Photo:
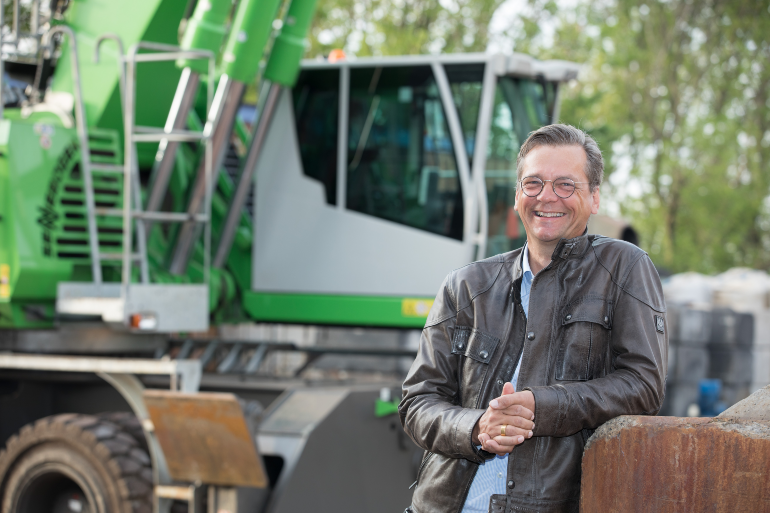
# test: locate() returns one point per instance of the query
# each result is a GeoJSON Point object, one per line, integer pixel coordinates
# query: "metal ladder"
{"type": "Point", "coordinates": [132, 204]}
{"type": "Point", "coordinates": [112, 299]}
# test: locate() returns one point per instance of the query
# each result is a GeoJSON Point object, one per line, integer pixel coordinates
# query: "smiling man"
{"type": "Point", "coordinates": [524, 354]}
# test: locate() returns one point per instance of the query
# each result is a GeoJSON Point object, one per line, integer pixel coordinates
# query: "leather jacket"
{"type": "Point", "coordinates": [595, 346]}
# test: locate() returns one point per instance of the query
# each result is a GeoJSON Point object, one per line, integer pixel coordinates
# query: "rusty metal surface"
{"type": "Point", "coordinates": [672, 464]}
{"type": "Point", "coordinates": [205, 438]}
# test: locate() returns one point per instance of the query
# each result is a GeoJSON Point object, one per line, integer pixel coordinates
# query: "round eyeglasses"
{"type": "Point", "coordinates": [563, 187]}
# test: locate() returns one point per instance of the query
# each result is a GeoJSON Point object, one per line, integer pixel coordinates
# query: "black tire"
{"type": "Point", "coordinates": [129, 423]}
{"type": "Point", "coordinates": [72, 457]}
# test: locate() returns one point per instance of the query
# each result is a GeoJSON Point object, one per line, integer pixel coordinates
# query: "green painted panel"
{"type": "Point", "coordinates": [37, 159]}
{"type": "Point", "coordinates": [337, 309]}
{"type": "Point", "coordinates": [139, 20]}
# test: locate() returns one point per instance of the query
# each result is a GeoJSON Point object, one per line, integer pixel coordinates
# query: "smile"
{"type": "Point", "coordinates": [549, 214]}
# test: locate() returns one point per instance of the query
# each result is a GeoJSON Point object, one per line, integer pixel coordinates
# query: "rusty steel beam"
{"type": "Point", "coordinates": [673, 464]}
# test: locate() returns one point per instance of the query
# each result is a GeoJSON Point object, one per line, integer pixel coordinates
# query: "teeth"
{"type": "Point", "coordinates": [549, 214]}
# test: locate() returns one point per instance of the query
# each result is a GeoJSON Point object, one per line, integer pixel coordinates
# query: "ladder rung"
{"type": "Point", "coordinates": [107, 168]}
{"type": "Point", "coordinates": [173, 217]}
{"type": "Point", "coordinates": [118, 256]}
{"type": "Point", "coordinates": [152, 134]}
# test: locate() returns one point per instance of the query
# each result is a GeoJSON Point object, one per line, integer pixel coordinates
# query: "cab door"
{"type": "Point", "coordinates": [360, 198]}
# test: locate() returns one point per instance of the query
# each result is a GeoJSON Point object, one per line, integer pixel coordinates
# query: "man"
{"type": "Point", "coordinates": [575, 323]}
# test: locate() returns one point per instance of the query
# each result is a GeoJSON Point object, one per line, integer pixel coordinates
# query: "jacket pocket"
{"type": "Point", "coordinates": [586, 324]}
{"type": "Point", "coordinates": [477, 348]}
{"type": "Point", "coordinates": [474, 344]}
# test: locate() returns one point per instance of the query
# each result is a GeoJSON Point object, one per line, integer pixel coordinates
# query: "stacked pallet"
{"type": "Point", "coordinates": [689, 334]}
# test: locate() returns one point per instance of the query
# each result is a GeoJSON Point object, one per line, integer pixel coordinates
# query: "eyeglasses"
{"type": "Point", "coordinates": [562, 187]}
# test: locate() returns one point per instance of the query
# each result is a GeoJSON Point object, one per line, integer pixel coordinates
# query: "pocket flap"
{"type": "Point", "coordinates": [474, 344]}
{"type": "Point", "coordinates": [588, 309]}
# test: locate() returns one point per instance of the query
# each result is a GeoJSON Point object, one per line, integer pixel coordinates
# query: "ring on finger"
{"type": "Point", "coordinates": [502, 430]}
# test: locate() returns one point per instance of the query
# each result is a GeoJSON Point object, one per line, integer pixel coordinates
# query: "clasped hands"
{"type": "Point", "coordinates": [508, 421]}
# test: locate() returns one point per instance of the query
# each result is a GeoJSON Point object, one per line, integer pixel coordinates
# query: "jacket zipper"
{"type": "Point", "coordinates": [468, 489]}
{"type": "Point", "coordinates": [419, 470]}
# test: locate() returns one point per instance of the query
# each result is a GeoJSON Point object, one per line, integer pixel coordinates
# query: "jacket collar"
{"type": "Point", "coordinates": [566, 248]}
{"type": "Point", "coordinates": [571, 248]}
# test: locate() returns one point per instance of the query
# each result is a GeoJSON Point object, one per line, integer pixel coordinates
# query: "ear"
{"type": "Point", "coordinates": [595, 200]}
{"type": "Point", "coordinates": [516, 199]}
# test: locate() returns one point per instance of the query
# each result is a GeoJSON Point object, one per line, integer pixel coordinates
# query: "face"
{"type": "Point", "coordinates": [547, 217]}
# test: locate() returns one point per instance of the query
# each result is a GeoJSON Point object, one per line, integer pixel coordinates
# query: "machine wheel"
{"type": "Point", "coordinates": [129, 423]}
{"type": "Point", "coordinates": [74, 463]}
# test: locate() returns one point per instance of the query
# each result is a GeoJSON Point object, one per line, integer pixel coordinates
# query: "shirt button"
{"type": "Point", "coordinates": [568, 317]}
{"type": "Point", "coordinates": [531, 335]}
{"type": "Point", "coordinates": [500, 475]}
{"type": "Point", "coordinates": [511, 484]}
{"type": "Point", "coordinates": [483, 354]}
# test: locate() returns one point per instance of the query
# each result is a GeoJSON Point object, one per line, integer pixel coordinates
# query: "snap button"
{"type": "Point", "coordinates": [569, 316]}
{"type": "Point", "coordinates": [531, 335]}
{"type": "Point", "coordinates": [460, 346]}
{"type": "Point", "coordinates": [499, 381]}
{"type": "Point", "coordinates": [511, 484]}
{"type": "Point", "coordinates": [606, 319]}
{"type": "Point", "coordinates": [483, 354]}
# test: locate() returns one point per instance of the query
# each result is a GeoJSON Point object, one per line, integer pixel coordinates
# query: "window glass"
{"type": "Point", "coordinates": [316, 111]}
{"type": "Point", "coordinates": [465, 82]}
{"type": "Point", "coordinates": [519, 108]}
{"type": "Point", "coordinates": [401, 163]}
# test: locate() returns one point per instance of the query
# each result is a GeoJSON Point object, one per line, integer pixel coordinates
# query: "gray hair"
{"type": "Point", "coordinates": [565, 135]}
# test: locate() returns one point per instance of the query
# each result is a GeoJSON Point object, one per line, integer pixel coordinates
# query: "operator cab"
{"type": "Point", "coordinates": [400, 170]}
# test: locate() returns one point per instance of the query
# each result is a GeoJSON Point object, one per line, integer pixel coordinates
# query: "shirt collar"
{"type": "Point", "coordinates": [525, 262]}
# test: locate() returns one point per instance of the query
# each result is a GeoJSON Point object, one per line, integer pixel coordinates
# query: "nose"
{"type": "Point", "coordinates": [547, 195]}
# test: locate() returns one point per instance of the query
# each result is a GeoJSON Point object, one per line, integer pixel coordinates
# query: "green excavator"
{"type": "Point", "coordinates": [206, 299]}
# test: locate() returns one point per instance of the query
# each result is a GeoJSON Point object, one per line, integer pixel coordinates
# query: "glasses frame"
{"type": "Point", "coordinates": [553, 186]}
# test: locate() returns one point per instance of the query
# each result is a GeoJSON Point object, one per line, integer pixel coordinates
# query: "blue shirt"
{"type": "Point", "coordinates": [492, 474]}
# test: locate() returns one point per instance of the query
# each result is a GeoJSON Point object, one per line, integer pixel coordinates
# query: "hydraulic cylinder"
{"type": "Point", "coordinates": [249, 35]}
{"type": "Point", "coordinates": [289, 46]}
{"type": "Point", "coordinates": [282, 70]}
{"type": "Point", "coordinates": [205, 30]}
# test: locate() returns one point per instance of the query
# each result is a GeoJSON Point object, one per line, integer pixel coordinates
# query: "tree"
{"type": "Point", "coordinates": [401, 27]}
{"type": "Point", "coordinates": [676, 92]}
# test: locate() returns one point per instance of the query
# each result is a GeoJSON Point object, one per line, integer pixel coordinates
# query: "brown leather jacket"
{"type": "Point", "coordinates": [595, 346]}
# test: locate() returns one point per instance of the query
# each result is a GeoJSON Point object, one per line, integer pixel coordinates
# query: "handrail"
{"type": "Point", "coordinates": [137, 199]}
{"type": "Point", "coordinates": [85, 151]}
{"type": "Point", "coordinates": [168, 52]}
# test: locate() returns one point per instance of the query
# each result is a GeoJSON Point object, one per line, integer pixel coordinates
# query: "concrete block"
{"type": "Point", "coordinates": [666, 464]}
{"type": "Point", "coordinates": [692, 327]}
{"type": "Point", "coordinates": [732, 328]}
{"type": "Point", "coordinates": [761, 365]}
{"type": "Point", "coordinates": [762, 328]}
{"type": "Point", "coordinates": [754, 407]}
{"type": "Point", "coordinates": [679, 396]}
{"type": "Point", "coordinates": [687, 363]}
{"type": "Point", "coordinates": [731, 364]}
{"type": "Point", "coordinates": [733, 393]}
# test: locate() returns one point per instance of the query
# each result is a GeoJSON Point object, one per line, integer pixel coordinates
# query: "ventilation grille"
{"type": "Point", "coordinates": [70, 239]}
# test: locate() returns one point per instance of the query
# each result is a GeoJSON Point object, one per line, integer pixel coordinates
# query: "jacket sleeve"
{"type": "Point", "coordinates": [429, 409]}
{"type": "Point", "coordinates": [639, 351]}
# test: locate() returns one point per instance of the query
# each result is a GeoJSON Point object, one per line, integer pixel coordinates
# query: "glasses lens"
{"type": "Point", "coordinates": [564, 187]}
{"type": "Point", "coordinates": [532, 186]}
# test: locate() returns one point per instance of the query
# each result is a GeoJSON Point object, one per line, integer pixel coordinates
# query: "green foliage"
{"type": "Point", "coordinates": [401, 27]}
{"type": "Point", "coordinates": [676, 93]}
